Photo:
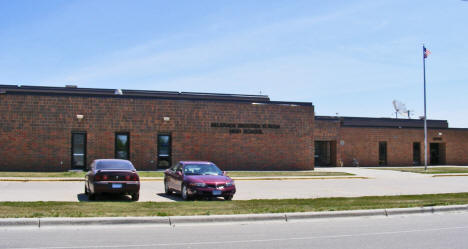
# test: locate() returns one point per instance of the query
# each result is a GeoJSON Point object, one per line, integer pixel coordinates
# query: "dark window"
{"type": "Point", "coordinates": [382, 153]}
{"type": "Point", "coordinates": [122, 146]}
{"type": "Point", "coordinates": [164, 151]}
{"type": "Point", "coordinates": [78, 150]}
{"type": "Point", "coordinates": [416, 153]}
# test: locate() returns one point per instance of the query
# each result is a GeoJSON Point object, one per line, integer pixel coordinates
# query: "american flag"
{"type": "Point", "coordinates": [426, 52]}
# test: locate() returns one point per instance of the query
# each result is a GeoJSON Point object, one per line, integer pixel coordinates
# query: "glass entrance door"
{"type": "Point", "coordinates": [78, 150]}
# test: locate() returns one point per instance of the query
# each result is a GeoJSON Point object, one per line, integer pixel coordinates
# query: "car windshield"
{"type": "Point", "coordinates": [202, 169]}
{"type": "Point", "coordinates": [117, 165]}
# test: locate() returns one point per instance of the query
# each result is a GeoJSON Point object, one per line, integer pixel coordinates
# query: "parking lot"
{"type": "Point", "coordinates": [374, 183]}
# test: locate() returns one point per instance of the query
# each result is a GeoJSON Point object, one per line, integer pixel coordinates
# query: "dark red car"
{"type": "Point", "coordinates": [193, 178]}
{"type": "Point", "coordinates": [113, 176]}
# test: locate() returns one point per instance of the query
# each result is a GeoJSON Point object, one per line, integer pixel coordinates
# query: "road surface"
{"type": "Point", "coordinates": [427, 231]}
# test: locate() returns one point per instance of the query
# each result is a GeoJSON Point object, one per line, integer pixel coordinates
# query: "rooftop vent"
{"type": "Point", "coordinates": [118, 92]}
{"type": "Point", "coordinates": [71, 86]}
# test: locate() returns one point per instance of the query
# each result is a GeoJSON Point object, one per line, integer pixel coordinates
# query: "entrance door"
{"type": "Point", "coordinates": [437, 153]}
{"type": "Point", "coordinates": [416, 153]}
{"type": "Point", "coordinates": [325, 153]}
{"type": "Point", "coordinates": [78, 150]}
{"type": "Point", "coordinates": [382, 153]}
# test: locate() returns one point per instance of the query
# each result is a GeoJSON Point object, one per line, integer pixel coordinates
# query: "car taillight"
{"type": "Point", "coordinates": [134, 177]}
{"type": "Point", "coordinates": [101, 177]}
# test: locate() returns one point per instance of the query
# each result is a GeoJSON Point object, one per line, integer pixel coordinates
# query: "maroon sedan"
{"type": "Point", "coordinates": [193, 178]}
{"type": "Point", "coordinates": [113, 176]}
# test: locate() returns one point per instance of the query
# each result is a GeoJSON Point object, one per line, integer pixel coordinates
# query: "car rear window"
{"type": "Point", "coordinates": [118, 165]}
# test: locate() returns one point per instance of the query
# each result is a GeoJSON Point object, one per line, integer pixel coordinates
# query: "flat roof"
{"type": "Point", "coordinates": [128, 93]}
{"type": "Point", "coordinates": [384, 122]}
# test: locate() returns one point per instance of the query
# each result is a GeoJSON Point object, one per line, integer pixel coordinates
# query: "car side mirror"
{"type": "Point", "coordinates": [224, 173]}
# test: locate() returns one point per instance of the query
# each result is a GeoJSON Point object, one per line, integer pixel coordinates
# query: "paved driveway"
{"type": "Point", "coordinates": [379, 182]}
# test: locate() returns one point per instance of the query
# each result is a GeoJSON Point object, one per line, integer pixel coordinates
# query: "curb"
{"type": "Point", "coordinates": [173, 220]}
{"type": "Point", "coordinates": [448, 175]}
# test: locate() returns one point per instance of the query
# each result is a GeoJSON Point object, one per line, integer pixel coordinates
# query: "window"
{"type": "Point", "coordinates": [78, 150]}
{"type": "Point", "coordinates": [164, 151]}
{"type": "Point", "coordinates": [122, 146]}
{"type": "Point", "coordinates": [382, 153]}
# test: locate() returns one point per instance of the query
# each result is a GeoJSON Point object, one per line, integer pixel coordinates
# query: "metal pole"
{"type": "Point", "coordinates": [425, 116]}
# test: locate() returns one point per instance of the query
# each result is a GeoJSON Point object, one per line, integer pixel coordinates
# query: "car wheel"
{"type": "Point", "coordinates": [184, 193]}
{"type": "Point", "coordinates": [228, 197]}
{"type": "Point", "coordinates": [136, 196]}
{"type": "Point", "coordinates": [166, 188]}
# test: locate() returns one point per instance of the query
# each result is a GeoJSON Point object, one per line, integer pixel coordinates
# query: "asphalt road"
{"type": "Point", "coordinates": [380, 182]}
{"type": "Point", "coordinates": [428, 231]}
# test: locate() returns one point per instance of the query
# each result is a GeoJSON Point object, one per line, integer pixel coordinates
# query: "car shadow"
{"type": "Point", "coordinates": [173, 197]}
{"type": "Point", "coordinates": [82, 197]}
{"type": "Point", "coordinates": [177, 197]}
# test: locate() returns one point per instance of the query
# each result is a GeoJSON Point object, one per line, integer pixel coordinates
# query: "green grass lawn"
{"type": "Point", "coordinates": [161, 174]}
{"type": "Point", "coordinates": [431, 170]}
{"type": "Point", "coordinates": [119, 208]}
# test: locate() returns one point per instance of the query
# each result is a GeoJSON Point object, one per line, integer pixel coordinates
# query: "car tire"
{"type": "Point", "coordinates": [167, 190]}
{"type": "Point", "coordinates": [135, 196]}
{"type": "Point", "coordinates": [228, 197]}
{"type": "Point", "coordinates": [184, 193]}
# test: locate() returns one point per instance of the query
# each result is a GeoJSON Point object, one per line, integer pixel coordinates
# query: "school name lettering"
{"type": "Point", "coordinates": [245, 128]}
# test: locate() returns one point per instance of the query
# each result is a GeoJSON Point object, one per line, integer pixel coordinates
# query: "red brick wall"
{"type": "Point", "coordinates": [35, 132]}
{"type": "Point", "coordinates": [326, 130]}
{"type": "Point", "coordinates": [363, 144]}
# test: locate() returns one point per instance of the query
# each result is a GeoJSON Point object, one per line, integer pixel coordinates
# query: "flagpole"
{"type": "Point", "coordinates": [425, 116]}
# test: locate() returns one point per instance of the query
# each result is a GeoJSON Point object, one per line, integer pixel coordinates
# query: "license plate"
{"type": "Point", "coordinates": [216, 192]}
{"type": "Point", "coordinates": [116, 185]}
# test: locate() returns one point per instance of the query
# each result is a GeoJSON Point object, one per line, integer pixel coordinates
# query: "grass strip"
{"type": "Point", "coordinates": [431, 170]}
{"type": "Point", "coordinates": [114, 208]}
{"type": "Point", "coordinates": [161, 174]}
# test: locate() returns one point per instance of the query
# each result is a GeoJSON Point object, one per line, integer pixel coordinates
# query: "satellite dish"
{"type": "Point", "coordinates": [399, 108]}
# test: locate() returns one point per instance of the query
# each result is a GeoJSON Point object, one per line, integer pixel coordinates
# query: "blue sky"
{"type": "Point", "coordinates": [347, 57]}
